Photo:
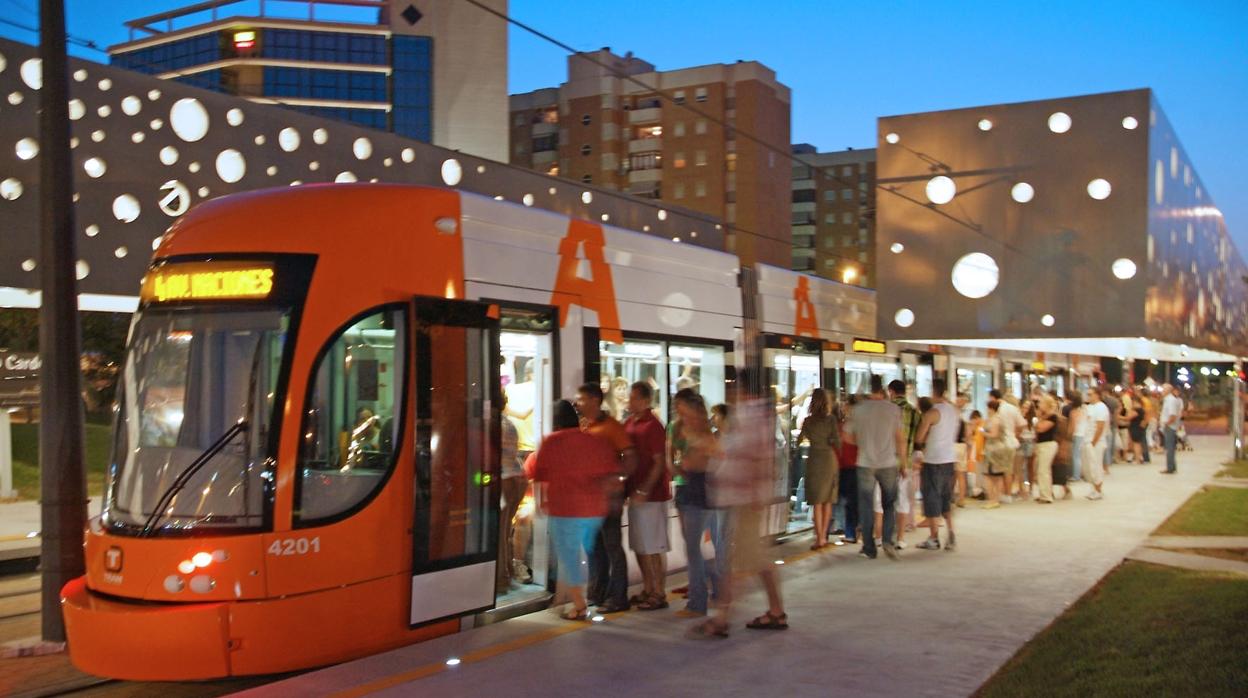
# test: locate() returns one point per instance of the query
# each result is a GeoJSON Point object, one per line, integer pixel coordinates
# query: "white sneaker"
{"type": "Point", "coordinates": [1096, 495]}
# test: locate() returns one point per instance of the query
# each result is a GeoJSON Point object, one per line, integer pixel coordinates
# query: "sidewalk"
{"type": "Point", "coordinates": [20, 524]}
{"type": "Point", "coordinates": [935, 624]}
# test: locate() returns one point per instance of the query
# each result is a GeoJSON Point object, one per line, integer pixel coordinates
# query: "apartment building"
{"type": "Point", "coordinates": [834, 214]}
{"type": "Point", "coordinates": [601, 127]}
{"type": "Point", "coordinates": [437, 74]}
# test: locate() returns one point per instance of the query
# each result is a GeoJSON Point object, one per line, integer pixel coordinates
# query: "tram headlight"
{"type": "Point", "coordinates": [202, 559]}
{"type": "Point", "coordinates": [202, 584]}
{"type": "Point", "coordinates": [186, 567]}
{"type": "Point", "coordinates": [174, 584]}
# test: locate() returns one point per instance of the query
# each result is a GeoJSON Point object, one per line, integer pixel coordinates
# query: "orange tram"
{"type": "Point", "coordinates": [305, 462]}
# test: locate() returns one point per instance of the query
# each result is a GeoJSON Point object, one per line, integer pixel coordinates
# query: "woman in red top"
{"type": "Point", "coordinates": [578, 469]}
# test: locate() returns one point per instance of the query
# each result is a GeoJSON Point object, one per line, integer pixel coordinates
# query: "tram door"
{"type": "Point", "coordinates": [528, 378]}
{"type": "Point", "coordinates": [793, 376]}
{"type": "Point", "coordinates": [455, 527]}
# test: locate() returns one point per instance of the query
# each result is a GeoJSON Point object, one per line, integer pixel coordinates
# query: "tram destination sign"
{"type": "Point", "coordinates": [208, 281]}
{"type": "Point", "coordinates": [19, 378]}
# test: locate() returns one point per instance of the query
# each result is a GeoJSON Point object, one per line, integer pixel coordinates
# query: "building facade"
{"type": "Point", "coordinates": [603, 128]}
{"type": "Point", "coordinates": [834, 214]}
{"type": "Point", "coordinates": [434, 71]}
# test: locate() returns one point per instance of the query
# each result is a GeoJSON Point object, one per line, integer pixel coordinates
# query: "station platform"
{"type": "Point", "coordinates": [933, 623]}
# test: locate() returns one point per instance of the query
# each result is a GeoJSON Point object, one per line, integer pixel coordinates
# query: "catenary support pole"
{"type": "Point", "coordinates": [62, 482]}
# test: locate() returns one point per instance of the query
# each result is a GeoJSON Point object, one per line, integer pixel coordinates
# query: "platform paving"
{"type": "Point", "coordinates": [935, 623]}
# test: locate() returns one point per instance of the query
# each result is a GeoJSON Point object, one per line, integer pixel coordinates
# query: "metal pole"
{"type": "Point", "coordinates": [1237, 412]}
{"type": "Point", "coordinates": [62, 482]}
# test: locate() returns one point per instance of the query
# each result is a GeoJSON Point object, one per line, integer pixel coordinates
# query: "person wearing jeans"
{"type": "Point", "coordinates": [875, 428]}
{"type": "Point", "coordinates": [1171, 413]}
{"type": "Point", "coordinates": [690, 459]}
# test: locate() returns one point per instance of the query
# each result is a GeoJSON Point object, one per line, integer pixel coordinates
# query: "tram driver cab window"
{"type": "Point", "coordinates": [351, 423]}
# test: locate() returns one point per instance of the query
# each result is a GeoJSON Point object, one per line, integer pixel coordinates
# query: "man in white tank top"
{"type": "Point", "coordinates": [936, 439]}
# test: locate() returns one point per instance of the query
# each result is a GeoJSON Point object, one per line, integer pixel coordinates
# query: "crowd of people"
{"type": "Point", "coordinates": [873, 465]}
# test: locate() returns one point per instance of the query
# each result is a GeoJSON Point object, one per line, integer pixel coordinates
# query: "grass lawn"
{"type": "Point", "coordinates": [26, 458]}
{"type": "Point", "coordinates": [1236, 468]}
{"type": "Point", "coordinates": [1214, 511]}
{"type": "Point", "coordinates": [1144, 630]}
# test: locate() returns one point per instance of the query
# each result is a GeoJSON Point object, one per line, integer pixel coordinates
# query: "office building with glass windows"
{"type": "Point", "coordinates": [375, 63]}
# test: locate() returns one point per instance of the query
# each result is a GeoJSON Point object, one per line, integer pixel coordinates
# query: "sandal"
{"type": "Point", "coordinates": [637, 599]}
{"type": "Point", "coordinates": [653, 603]}
{"type": "Point", "coordinates": [575, 614]}
{"type": "Point", "coordinates": [818, 546]}
{"type": "Point", "coordinates": [769, 622]}
{"type": "Point", "coordinates": [713, 628]}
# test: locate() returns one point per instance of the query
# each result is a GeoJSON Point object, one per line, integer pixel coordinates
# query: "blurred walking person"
{"type": "Point", "coordinates": [698, 447]}
{"type": "Point", "coordinates": [581, 474]}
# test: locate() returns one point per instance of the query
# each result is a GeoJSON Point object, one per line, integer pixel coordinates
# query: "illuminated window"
{"type": "Point", "coordinates": [731, 160]}
{"type": "Point", "coordinates": [679, 160]}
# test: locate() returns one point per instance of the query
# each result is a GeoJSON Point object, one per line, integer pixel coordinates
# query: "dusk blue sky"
{"type": "Point", "coordinates": [849, 62]}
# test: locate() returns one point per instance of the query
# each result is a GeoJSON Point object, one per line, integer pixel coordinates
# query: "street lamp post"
{"type": "Point", "coordinates": [62, 482]}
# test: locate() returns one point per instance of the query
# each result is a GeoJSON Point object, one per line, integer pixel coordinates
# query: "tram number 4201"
{"type": "Point", "coordinates": [295, 546]}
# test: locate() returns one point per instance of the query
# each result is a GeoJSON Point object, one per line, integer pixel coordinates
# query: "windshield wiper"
{"type": "Point", "coordinates": [187, 473]}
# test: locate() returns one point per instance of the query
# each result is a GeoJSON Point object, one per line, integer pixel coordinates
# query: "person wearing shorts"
{"type": "Point", "coordinates": [937, 441]}
{"type": "Point", "coordinates": [650, 489]}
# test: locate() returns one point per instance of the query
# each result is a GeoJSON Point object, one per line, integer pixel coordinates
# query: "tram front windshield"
{"type": "Point", "coordinates": [191, 375]}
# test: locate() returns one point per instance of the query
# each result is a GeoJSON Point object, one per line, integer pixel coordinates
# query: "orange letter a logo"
{"type": "Point", "coordinates": [806, 323]}
{"type": "Point", "coordinates": [596, 293]}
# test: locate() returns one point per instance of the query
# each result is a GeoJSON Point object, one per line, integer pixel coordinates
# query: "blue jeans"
{"type": "Point", "coordinates": [867, 478]}
{"type": "Point", "coordinates": [1076, 456]}
{"type": "Point", "coordinates": [694, 521]}
{"type": "Point", "coordinates": [574, 539]}
{"type": "Point", "coordinates": [1172, 441]}
{"type": "Point", "coordinates": [845, 513]}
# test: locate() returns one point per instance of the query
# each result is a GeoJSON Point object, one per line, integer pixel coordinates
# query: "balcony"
{"type": "Point", "coordinates": [544, 129]}
{"type": "Point", "coordinates": [545, 157]}
{"type": "Point", "coordinates": [645, 116]}
{"type": "Point", "coordinates": [639, 176]}
{"type": "Point", "coordinates": [645, 145]}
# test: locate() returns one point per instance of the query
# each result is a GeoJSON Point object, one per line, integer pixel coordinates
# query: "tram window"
{"type": "Point", "coordinates": [628, 363]}
{"type": "Point", "coordinates": [352, 424]}
{"type": "Point", "coordinates": [697, 367]}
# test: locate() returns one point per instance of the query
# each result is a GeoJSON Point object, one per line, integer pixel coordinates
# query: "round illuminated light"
{"type": "Point", "coordinates": [220, 556]}
{"type": "Point", "coordinates": [94, 167]}
{"type": "Point", "coordinates": [202, 584]}
{"type": "Point", "coordinates": [676, 239]}
{"type": "Point", "coordinates": [587, 197]}
{"type": "Point", "coordinates": [28, 265]}
{"type": "Point", "coordinates": [97, 136]}
{"type": "Point", "coordinates": [1099, 189]}
{"type": "Point", "coordinates": [231, 166]}
{"type": "Point", "coordinates": [77, 109]}
{"type": "Point", "coordinates": [897, 248]}
{"type": "Point", "coordinates": [892, 138]}
{"type": "Point", "coordinates": [1123, 268]}
{"type": "Point", "coordinates": [975, 275]}
{"type": "Point", "coordinates": [606, 217]}
{"type": "Point", "coordinates": [408, 155]}
{"type": "Point", "coordinates": [1215, 372]}
{"type": "Point", "coordinates": [270, 170]}
{"type": "Point", "coordinates": [452, 172]}
{"type": "Point", "coordinates": [27, 149]}
{"type": "Point", "coordinates": [453, 661]}
{"type": "Point", "coordinates": [131, 105]}
{"type": "Point", "coordinates": [193, 167]}
{"type": "Point", "coordinates": [500, 198]}
{"type": "Point", "coordinates": [1048, 320]}
{"type": "Point", "coordinates": [189, 119]}
{"type": "Point", "coordinates": [10, 189]}
{"type": "Point", "coordinates": [904, 317]}
{"type": "Point", "coordinates": [121, 252]}
{"type": "Point", "coordinates": [259, 140]}
{"type": "Point", "coordinates": [81, 269]}
{"type": "Point", "coordinates": [234, 117]}
{"type": "Point", "coordinates": [387, 162]}
{"type": "Point", "coordinates": [126, 208]}
{"type": "Point", "coordinates": [552, 190]}
{"type": "Point", "coordinates": [73, 142]}
{"type": "Point", "coordinates": [137, 137]}
{"type": "Point", "coordinates": [296, 182]}
{"type": "Point", "coordinates": [15, 98]}
{"type": "Point", "coordinates": [320, 136]}
{"type": "Point", "coordinates": [1022, 192]}
{"type": "Point", "coordinates": [346, 177]}
{"type": "Point", "coordinates": [288, 139]}
{"type": "Point", "coordinates": [480, 169]}
{"type": "Point", "coordinates": [662, 214]}
{"type": "Point", "coordinates": [168, 155]}
{"type": "Point", "coordinates": [80, 76]}
{"type": "Point", "coordinates": [174, 584]}
{"type": "Point", "coordinates": [363, 148]}
{"type": "Point", "coordinates": [155, 246]}
{"type": "Point", "coordinates": [153, 95]}
{"type": "Point", "coordinates": [203, 192]}
{"type": "Point", "coordinates": [32, 73]}
{"type": "Point", "coordinates": [1059, 122]}
{"type": "Point", "coordinates": [202, 559]}
{"type": "Point", "coordinates": [1130, 123]}
{"type": "Point", "coordinates": [941, 189]}
{"type": "Point", "coordinates": [155, 124]}
{"type": "Point", "coordinates": [1204, 370]}
{"type": "Point", "coordinates": [104, 111]}
{"type": "Point", "coordinates": [527, 199]}
{"type": "Point", "coordinates": [105, 85]}
{"type": "Point", "coordinates": [91, 230]}
{"type": "Point", "coordinates": [985, 124]}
